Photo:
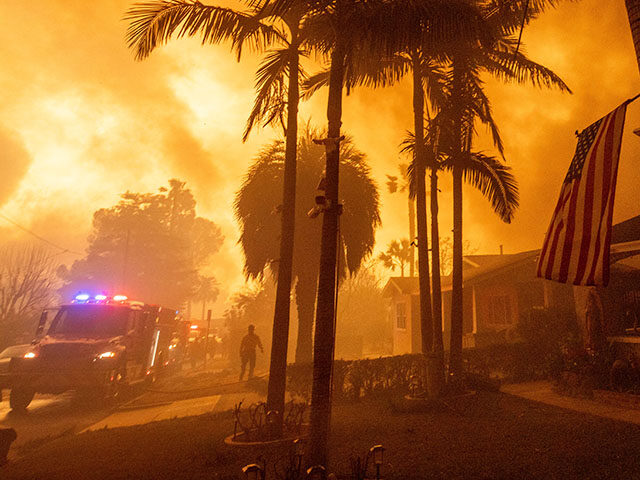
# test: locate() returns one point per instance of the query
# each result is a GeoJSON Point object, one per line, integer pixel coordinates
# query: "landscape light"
{"type": "Point", "coordinates": [119, 298]}
{"type": "Point", "coordinates": [377, 452]}
{"type": "Point", "coordinates": [317, 472]}
{"type": "Point", "coordinates": [298, 453]}
{"type": "Point", "coordinates": [82, 297]}
{"type": "Point", "coordinates": [253, 472]}
{"type": "Point", "coordinates": [100, 297]}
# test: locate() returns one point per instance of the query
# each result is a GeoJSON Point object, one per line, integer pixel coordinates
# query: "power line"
{"type": "Point", "coordinates": [42, 239]}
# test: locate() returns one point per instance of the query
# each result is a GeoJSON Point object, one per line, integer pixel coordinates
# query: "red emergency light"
{"type": "Point", "coordinates": [99, 298]}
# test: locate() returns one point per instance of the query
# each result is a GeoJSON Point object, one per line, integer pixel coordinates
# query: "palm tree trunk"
{"type": "Point", "coordinates": [412, 237]}
{"type": "Point", "coordinates": [426, 325]}
{"type": "Point", "coordinates": [305, 300]}
{"type": "Point", "coordinates": [455, 365]}
{"type": "Point", "coordinates": [324, 340]}
{"type": "Point", "coordinates": [438, 344]}
{"type": "Point", "coordinates": [633, 11]}
{"type": "Point", "coordinates": [280, 335]}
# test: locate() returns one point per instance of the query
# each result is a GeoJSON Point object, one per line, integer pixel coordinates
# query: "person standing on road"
{"type": "Point", "coordinates": [248, 351]}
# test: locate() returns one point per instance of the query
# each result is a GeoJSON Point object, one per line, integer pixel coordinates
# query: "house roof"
{"type": "Point", "coordinates": [627, 231]}
{"type": "Point", "coordinates": [477, 266]}
{"type": "Point", "coordinates": [401, 285]}
{"type": "Point", "coordinates": [625, 234]}
{"type": "Point", "coordinates": [474, 266]}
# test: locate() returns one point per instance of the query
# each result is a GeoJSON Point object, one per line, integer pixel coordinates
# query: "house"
{"type": "Point", "coordinates": [500, 289]}
{"type": "Point", "coordinates": [621, 298]}
{"type": "Point", "coordinates": [404, 312]}
{"type": "Point", "coordinates": [497, 289]}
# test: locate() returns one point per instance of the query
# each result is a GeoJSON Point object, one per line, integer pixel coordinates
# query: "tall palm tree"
{"type": "Point", "coordinates": [384, 70]}
{"type": "Point", "coordinates": [277, 84]}
{"type": "Point", "coordinates": [369, 29]}
{"type": "Point", "coordinates": [256, 210]}
{"type": "Point", "coordinates": [466, 105]}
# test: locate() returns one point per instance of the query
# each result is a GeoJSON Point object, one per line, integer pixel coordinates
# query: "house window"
{"type": "Point", "coordinates": [401, 316]}
{"type": "Point", "coordinates": [500, 310]}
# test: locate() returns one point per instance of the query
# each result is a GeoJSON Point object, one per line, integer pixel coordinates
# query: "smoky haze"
{"type": "Point", "coordinates": [80, 119]}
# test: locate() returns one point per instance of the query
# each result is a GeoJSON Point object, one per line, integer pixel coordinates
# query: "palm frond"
{"type": "Point", "coordinates": [314, 83]}
{"type": "Point", "coordinates": [154, 23]}
{"type": "Point", "coordinates": [494, 180]}
{"type": "Point", "coordinates": [271, 78]}
{"type": "Point", "coordinates": [504, 63]}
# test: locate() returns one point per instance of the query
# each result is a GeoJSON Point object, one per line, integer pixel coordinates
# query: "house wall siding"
{"type": "Point", "coordinates": [402, 337]}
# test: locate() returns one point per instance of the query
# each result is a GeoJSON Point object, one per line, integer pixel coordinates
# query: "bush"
{"type": "Point", "coordinates": [357, 378]}
{"type": "Point", "coordinates": [545, 337]}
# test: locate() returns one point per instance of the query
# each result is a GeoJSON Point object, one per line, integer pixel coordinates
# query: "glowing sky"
{"type": "Point", "coordinates": [81, 122]}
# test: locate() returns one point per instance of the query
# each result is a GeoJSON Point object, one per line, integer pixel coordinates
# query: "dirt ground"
{"type": "Point", "coordinates": [488, 436]}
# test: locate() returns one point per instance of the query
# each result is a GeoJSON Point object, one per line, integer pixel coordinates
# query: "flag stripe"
{"type": "Point", "coordinates": [542, 262]}
{"type": "Point", "coordinates": [577, 243]}
{"type": "Point", "coordinates": [604, 197]}
{"type": "Point", "coordinates": [612, 195]}
{"type": "Point", "coordinates": [587, 210]}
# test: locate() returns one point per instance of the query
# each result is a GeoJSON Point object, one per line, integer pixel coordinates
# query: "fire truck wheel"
{"type": "Point", "coordinates": [20, 398]}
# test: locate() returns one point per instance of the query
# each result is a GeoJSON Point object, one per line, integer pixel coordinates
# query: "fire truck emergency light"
{"type": "Point", "coordinates": [100, 297]}
{"type": "Point", "coordinates": [82, 297]}
{"type": "Point", "coordinates": [119, 298]}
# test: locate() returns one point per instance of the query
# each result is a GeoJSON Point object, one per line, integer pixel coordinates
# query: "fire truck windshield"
{"type": "Point", "coordinates": [90, 321]}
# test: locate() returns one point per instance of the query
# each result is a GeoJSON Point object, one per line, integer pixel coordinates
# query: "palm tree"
{"type": "Point", "coordinates": [206, 291]}
{"type": "Point", "coordinates": [365, 30]}
{"type": "Point", "coordinates": [398, 254]}
{"type": "Point", "coordinates": [256, 212]}
{"type": "Point", "coordinates": [277, 84]}
{"type": "Point", "coordinates": [394, 186]}
{"type": "Point", "coordinates": [431, 28]}
{"type": "Point", "coordinates": [467, 104]}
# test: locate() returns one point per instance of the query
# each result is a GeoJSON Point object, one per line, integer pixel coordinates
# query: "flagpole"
{"type": "Point", "coordinates": [633, 99]}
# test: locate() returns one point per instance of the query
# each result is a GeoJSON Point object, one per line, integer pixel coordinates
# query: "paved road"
{"type": "Point", "coordinates": [48, 417]}
{"type": "Point", "coordinates": [52, 416]}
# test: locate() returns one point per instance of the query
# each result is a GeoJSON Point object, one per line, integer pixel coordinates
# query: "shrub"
{"type": "Point", "coordinates": [356, 378]}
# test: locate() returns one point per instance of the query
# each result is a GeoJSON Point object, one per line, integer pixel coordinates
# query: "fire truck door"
{"type": "Point", "coordinates": [136, 351]}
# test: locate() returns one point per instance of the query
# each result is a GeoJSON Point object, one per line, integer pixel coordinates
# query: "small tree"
{"type": "Point", "coordinates": [27, 284]}
{"type": "Point", "coordinates": [398, 254]}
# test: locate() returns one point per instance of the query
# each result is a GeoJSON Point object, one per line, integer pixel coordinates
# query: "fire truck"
{"type": "Point", "coordinates": [99, 346]}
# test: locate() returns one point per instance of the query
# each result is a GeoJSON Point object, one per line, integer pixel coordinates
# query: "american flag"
{"type": "Point", "coordinates": [576, 246]}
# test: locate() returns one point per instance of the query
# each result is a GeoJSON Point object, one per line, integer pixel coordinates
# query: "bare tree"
{"type": "Point", "coordinates": [27, 282]}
